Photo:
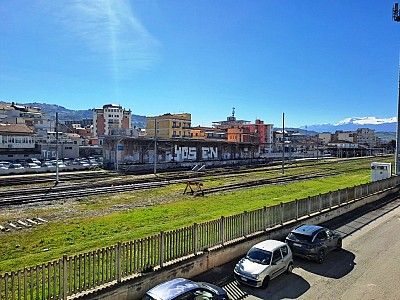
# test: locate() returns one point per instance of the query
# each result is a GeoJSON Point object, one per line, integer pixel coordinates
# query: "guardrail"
{"type": "Point", "coordinates": [72, 275]}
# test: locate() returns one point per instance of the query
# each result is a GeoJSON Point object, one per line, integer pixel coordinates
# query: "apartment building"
{"type": "Point", "coordinates": [325, 137]}
{"type": "Point", "coordinates": [366, 136]}
{"type": "Point", "coordinates": [201, 132]}
{"type": "Point", "coordinates": [20, 114]}
{"type": "Point", "coordinates": [169, 126]}
{"type": "Point", "coordinates": [345, 136]}
{"type": "Point", "coordinates": [265, 133]}
{"type": "Point", "coordinates": [17, 141]}
{"type": "Point", "coordinates": [111, 119]}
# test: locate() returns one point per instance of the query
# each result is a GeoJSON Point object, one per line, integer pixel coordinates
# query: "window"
{"type": "Point", "coordinates": [321, 236]}
{"type": "Point", "coordinates": [277, 256]}
{"type": "Point", "coordinates": [187, 296]}
{"type": "Point", "coordinates": [284, 251]}
{"type": "Point", "coordinates": [202, 295]}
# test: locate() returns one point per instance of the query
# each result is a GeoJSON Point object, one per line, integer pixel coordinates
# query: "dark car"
{"type": "Point", "coordinates": [185, 289]}
{"type": "Point", "coordinates": [313, 242]}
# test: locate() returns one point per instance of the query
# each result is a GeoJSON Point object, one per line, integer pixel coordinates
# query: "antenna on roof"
{"type": "Point", "coordinates": [233, 111]}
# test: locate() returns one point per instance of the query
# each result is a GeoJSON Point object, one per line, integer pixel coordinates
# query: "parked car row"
{"type": "Point", "coordinates": [263, 262]}
{"type": "Point", "coordinates": [268, 259]}
{"type": "Point", "coordinates": [33, 163]}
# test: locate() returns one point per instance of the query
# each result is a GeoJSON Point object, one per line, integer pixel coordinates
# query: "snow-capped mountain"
{"type": "Point", "coordinates": [350, 124]}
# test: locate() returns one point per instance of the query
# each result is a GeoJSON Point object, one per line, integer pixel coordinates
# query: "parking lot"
{"type": "Point", "coordinates": [366, 268]}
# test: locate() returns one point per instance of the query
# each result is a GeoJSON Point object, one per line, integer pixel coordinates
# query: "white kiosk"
{"type": "Point", "coordinates": [380, 171]}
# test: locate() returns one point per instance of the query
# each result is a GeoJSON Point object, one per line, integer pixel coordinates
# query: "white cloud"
{"type": "Point", "coordinates": [109, 29]}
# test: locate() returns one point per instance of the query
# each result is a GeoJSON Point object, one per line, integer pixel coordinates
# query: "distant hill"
{"type": "Point", "coordinates": [386, 136]}
{"type": "Point", "coordinates": [65, 114]}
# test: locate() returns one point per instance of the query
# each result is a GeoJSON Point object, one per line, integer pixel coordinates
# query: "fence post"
{"type": "Point", "coordinates": [339, 197]}
{"type": "Point", "coordinates": [309, 205]}
{"type": "Point", "coordinates": [65, 278]}
{"type": "Point", "coordinates": [297, 209]}
{"type": "Point", "coordinates": [222, 231]}
{"type": "Point", "coordinates": [245, 225]}
{"type": "Point", "coordinates": [281, 208]}
{"type": "Point", "coordinates": [195, 239]}
{"type": "Point", "coordinates": [330, 199]}
{"type": "Point", "coordinates": [265, 218]}
{"type": "Point", "coordinates": [161, 248]}
{"type": "Point", "coordinates": [119, 262]}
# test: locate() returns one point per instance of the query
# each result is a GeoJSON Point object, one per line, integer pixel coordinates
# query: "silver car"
{"type": "Point", "coordinates": [263, 262]}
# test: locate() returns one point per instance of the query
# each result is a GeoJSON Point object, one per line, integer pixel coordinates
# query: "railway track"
{"type": "Point", "coordinates": [125, 184]}
{"type": "Point", "coordinates": [26, 196]}
{"type": "Point", "coordinates": [18, 180]}
{"type": "Point", "coordinates": [31, 179]}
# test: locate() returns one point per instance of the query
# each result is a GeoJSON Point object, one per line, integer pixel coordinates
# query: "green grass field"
{"type": "Point", "coordinates": [100, 221]}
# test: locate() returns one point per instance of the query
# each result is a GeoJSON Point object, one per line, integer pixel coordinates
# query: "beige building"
{"type": "Point", "coordinates": [325, 137]}
{"type": "Point", "coordinates": [346, 136]}
{"type": "Point", "coordinates": [169, 126]}
{"type": "Point", "coordinates": [366, 136]}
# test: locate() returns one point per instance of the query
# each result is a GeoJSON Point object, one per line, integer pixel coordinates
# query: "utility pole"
{"type": "Point", "coordinates": [155, 146]}
{"type": "Point", "coordinates": [396, 18]}
{"type": "Point", "coordinates": [57, 170]}
{"type": "Point", "coordinates": [283, 143]}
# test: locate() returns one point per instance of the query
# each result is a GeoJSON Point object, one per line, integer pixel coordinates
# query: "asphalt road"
{"type": "Point", "coordinates": [368, 266]}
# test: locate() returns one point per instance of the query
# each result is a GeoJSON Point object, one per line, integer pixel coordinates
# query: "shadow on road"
{"type": "Point", "coordinates": [337, 264]}
{"type": "Point", "coordinates": [285, 286]}
{"type": "Point", "coordinates": [355, 220]}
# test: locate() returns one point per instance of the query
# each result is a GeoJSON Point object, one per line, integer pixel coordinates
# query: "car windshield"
{"type": "Point", "coordinates": [298, 237]}
{"type": "Point", "coordinates": [259, 256]}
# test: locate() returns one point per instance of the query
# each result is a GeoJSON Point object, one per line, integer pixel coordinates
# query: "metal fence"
{"type": "Point", "coordinates": [74, 274]}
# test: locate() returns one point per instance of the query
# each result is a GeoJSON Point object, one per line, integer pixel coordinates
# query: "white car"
{"type": "Point", "coordinates": [16, 166]}
{"type": "Point", "coordinates": [33, 166]}
{"type": "Point", "coordinates": [263, 262]}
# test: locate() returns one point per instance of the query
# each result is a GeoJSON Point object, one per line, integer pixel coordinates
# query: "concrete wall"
{"type": "Point", "coordinates": [134, 288]}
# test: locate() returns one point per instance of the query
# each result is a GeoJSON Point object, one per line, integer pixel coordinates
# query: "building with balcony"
{"type": "Point", "coordinates": [344, 136]}
{"type": "Point", "coordinates": [17, 141]}
{"type": "Point", "coordinates": [265, 133]}
{"type": "Point", "coordinates": [112, 119]}
{"type": "Point", "coordinates": [366, 136]}
{"type": "Point", "coordinates": [20, 114]}
{"type": "Point", "coordinates": [201, 132]}
{"type": "Point", "coordinates": [169, 126]}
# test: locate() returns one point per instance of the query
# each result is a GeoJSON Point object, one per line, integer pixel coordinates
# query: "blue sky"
{"type": "Point", "coordinates": [316, 61]}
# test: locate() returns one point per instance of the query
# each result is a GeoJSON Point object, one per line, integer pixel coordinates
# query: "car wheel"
{"type": "Point", "coordinates": [290, 267]}
{"type": "Point", "coordinates": [338, 245]}
{"type": "Point", "coordinates": [265, 282]}
{"type": "Point", "coordinates": [321, 256]}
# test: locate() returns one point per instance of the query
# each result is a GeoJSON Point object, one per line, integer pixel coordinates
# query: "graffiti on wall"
{"type": "Point", "coordinates": [190, 153]}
